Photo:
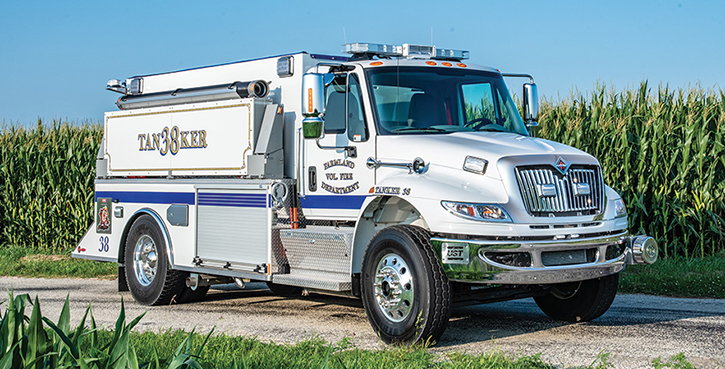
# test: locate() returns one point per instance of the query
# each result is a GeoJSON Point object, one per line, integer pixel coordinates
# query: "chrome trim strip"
{"type": "Point", "coordinates": [94, 258]}
{"type": "Point", "coordinates": [571, 242]}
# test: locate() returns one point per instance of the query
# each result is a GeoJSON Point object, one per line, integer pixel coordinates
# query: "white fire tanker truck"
{"type": "Point", "coordinates": [400, 175]}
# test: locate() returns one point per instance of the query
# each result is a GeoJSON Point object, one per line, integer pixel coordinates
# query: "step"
{"type": "Point", "coordinates": [315, 279]}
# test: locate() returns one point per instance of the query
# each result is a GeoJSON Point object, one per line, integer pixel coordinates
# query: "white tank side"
{"type": "Point", "coordinates": [213, 138]}
{"type": "Point", "coordinates": [282, 90]}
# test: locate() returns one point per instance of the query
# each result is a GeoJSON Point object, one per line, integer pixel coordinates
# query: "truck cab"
{"type": "Point", "coordinates": [400, 175]}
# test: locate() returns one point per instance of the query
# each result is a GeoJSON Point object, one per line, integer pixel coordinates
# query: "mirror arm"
{"type": "Point", "coordinates": [351, 151]}
{"type": "Point", "coordinates": [522, 75]}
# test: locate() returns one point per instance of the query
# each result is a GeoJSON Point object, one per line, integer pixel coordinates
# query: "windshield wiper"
{"type": "Point", "coordinates": [424, 129]}
{"type": "Point", "coordinates": [494, 129]}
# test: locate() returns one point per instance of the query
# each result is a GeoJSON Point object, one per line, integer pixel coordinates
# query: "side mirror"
{"type": "Point", "coordinates": [531, 104]}
{"type": "Point", "coordinates": [313, 92]}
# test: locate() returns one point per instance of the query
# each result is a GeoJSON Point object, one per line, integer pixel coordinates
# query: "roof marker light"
{"type": "Point", "coordinates": [376, 63]}
{"type": "Point", "coordinates": [461, 65]}
{"type": "Point", "coordinates": [447, 64]}
{"type": "Point", "coordinates": [431, 63]}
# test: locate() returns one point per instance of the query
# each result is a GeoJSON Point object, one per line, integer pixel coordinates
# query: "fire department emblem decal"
{"type": "Point", "coordinates": [561, 165]}
{"type": "Point", "coordinates": [103, 215]}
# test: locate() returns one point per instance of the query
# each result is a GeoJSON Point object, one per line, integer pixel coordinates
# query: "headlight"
{"type": "Point", "coordinates": [480, 212]}
{"type": "Point", "coordinates": [475, 165]}
{"type": "Point", "coordinates": [620, 210]}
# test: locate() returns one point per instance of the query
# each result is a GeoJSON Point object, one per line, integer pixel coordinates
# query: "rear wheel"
{"type": "Point", "coordinates": [579, 301]}
{"type": "Point", "coordinates": [149, 278]}
{"type": "Point", "coordinates": [406, 295]}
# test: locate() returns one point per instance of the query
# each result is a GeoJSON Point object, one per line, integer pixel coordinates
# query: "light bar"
{"type": "Point", "coordinates": [452, 54]}
{"type": "Point", "coordinates": [133, 86]}
{"type": "Point", "coordinates": [407, 51]}
{"type": "Point", "coordinates": [418, 51]}
{"type": "Point", "coordinates": [377, 49]}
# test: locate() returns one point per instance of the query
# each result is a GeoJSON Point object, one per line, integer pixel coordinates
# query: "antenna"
{"type": "Point", "coordinates": [431, 35]}
{"type": "Point", "coordinates": [344, 35]}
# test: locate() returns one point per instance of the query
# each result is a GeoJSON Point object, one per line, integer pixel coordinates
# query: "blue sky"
{"type": "Point", "coordinates": [56, 56]}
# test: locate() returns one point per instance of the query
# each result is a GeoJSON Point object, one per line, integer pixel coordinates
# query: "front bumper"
{"type": "Point", "coordinates": [541, 262]}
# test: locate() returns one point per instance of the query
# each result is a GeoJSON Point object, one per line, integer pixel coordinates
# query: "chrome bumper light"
{"type": "Point", "coordinates": [644, 249]}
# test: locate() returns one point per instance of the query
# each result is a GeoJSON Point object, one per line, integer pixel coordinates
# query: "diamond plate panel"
{"type": "Point", "coordinates": [325, 249]}
{"type": "Point", "coordinates": [315, 279]}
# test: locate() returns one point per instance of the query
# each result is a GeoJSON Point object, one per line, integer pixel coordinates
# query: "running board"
{"type": "Point", "coordinates": [316, 280]}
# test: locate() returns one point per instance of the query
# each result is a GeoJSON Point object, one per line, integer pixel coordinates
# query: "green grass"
{"type": "Point", "coordinates": [27, 262]}
{"type": "Point", "coordinates": [678, 277]}
{"type": "Point", "coordinates": [222, 351]}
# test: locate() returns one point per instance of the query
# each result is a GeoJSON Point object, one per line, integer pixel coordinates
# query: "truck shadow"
{"type": "Point", "coordinates": [494, 321]}
{"type": "Point", "coordinates": [487, 322]}
{"type": "Point", "coordinates": [478, 323]}
{"type": "Point", "coordinates": [231, 292]}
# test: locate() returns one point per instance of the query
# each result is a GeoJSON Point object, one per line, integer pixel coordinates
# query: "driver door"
{"type": "Point", "coordinates": [336, 178]}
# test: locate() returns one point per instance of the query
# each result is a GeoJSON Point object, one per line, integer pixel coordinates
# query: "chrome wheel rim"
{"type": "Point", "coordinates": [145, 258]}
{"type": "Point", "coordinates": [393, 287]}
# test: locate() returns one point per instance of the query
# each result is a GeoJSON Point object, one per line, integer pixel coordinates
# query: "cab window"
{"type": "Point", "coordinates": [335, 122]}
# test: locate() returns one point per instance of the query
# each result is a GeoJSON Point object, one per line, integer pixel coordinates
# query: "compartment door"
{"type": "Point", "coordinates": [234, 229]}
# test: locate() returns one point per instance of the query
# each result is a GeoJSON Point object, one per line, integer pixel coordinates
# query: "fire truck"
{"type": "Point", "coordinates": [401, 175]}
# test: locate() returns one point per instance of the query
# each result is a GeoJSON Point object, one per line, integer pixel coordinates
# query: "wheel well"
{"type": "Point", "coordinates": [382, 212]}
{"type": "Point", "coordinates": [127, 228]}
{"type": "Point", "coordinates": [124, 237]}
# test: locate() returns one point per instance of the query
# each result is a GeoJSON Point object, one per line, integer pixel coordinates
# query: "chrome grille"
{"type": "Point", "coordinates": [547, 192]}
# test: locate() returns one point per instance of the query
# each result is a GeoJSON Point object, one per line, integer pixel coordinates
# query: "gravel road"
{"type": "Point", "coordinates": [635, 330]}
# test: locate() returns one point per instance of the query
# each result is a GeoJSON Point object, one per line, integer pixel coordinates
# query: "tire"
{"type": "Point", "coordinates": [188, 295]}
{"type": "Point", "coordinates": [285, 291]}
{"type": "Point", "coordinates": [149, 278]}
{"type": "Point", "coordinates": [406, 295]}
{"type": "Point", "coordinates": [579, 301]}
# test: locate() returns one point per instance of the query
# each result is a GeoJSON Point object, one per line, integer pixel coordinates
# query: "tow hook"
{"type": "Point", "coordinates": [644, 249]}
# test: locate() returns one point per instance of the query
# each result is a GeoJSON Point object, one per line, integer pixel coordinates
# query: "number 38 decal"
{"type": "Point", "coordinates": [103, 240]}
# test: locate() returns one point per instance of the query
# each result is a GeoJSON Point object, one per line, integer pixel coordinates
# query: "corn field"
{"type": "Point", "coordinates": [662, 151]}
{"type": "Point", "coordinates": [46, 184]}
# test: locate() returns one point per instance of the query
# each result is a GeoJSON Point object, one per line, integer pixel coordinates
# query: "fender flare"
{"type": "Point", "coordinates": [365, 229]}
{"type": "Point", "coordinates": [162, 226]}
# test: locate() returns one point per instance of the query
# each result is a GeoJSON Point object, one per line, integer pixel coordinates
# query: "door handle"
{"type": "Point", "coordinates": [418, 165]}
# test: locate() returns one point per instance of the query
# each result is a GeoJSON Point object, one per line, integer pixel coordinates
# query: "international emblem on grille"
{"type": "Point", "coordinates": [549, 192]}
{"type": "Point", "coordinates": [561, 165]}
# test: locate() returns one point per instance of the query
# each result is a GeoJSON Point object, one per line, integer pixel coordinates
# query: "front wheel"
{"type": "Point", "coordinates": [406, 295]}
{"type": "Point", "coordinates": [579, 301]}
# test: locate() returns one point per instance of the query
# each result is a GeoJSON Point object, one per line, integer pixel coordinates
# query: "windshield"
{"type": "Point", "coordinates": [438, 100]}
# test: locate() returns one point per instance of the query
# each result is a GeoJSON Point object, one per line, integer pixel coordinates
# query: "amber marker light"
{"type": "Point", "coordinates": [447, 64]}
{"type": "Point", "coordinates": [374, 64]}
{"type": "Point", "coordinates": [309, 104]}
{"type": "Point", "coordinates": [461, 65]}
{"type": "Point", "coordinates": [431, 63]}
